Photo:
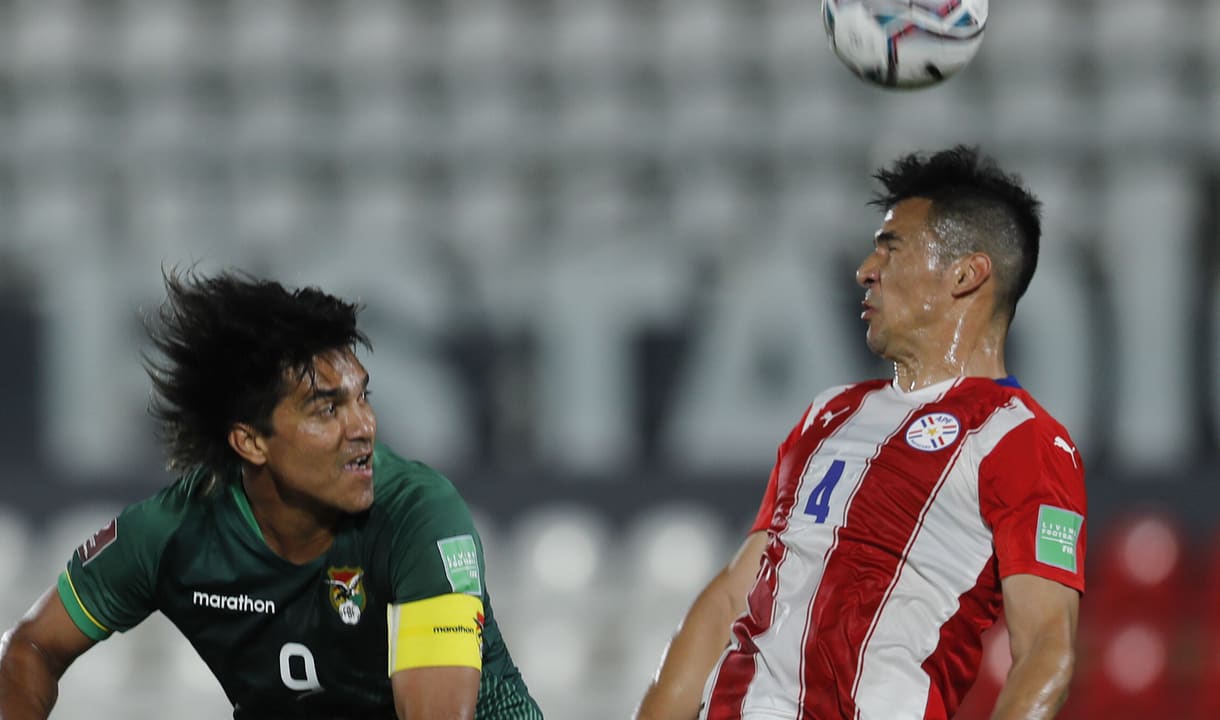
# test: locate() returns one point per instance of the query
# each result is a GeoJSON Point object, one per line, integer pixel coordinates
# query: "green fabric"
{"type": "Point", "coordinates": [243, 506]}
{"type": "Point", "coordinates": [87, 625]}
{"type": "Point", "coordinates": [288, 640]}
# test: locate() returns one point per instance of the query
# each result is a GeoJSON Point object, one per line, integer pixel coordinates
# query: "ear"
{"type": "Point", "coordinates": [248, 443]}
{"type": "Point", "coordinates": [969, 273]}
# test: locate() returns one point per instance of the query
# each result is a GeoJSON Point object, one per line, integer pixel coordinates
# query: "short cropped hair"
{"type": "Point", "coordinates": [229, 348]}
{"type": "Point", "coordinates": [976, 207]}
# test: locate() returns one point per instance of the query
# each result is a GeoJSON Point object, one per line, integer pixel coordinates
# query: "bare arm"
{"type": "Point", "coordinates": [435, 693]}
{"type": "Point", "coordinates": [34, 655]}
{"type": "Point", "coordinates": [1042, 616]}
{"type": "Point", "coordinates": [677, 688]}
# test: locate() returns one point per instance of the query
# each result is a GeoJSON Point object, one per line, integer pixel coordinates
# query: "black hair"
{"type": "Point", "coordinates": [230, 347]}
{"type": "Point", "coordinates": [976, 207]}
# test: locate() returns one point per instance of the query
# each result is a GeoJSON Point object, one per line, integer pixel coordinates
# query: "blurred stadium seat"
{"type": "Point", "coordinates": [1140, 571]}
{"type": "Point", "coordinates": [666, 556]}
{"type": "Point", "coordinates": [1130, 673]}
{"type": "Point", "coordinates": [471, 147]}
{"type": "Point", "coordinates": [560, 597]}
{"type": "Point", "coordinates": [16, 545]}
{"type": "Point", "coordinates": [1135, 621]}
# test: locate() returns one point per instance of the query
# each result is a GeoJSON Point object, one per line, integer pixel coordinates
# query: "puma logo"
{"type": "Point", "coordinates": [1064, 446]}
{"type": "Point", "coordinates": [827, 416]}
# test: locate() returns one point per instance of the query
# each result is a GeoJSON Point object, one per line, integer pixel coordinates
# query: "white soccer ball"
{"type": "Point", "coordinates": [905, 43]}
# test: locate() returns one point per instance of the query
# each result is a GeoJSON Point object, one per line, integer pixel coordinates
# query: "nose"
{"type": "Point", "coordinates": [866, 274]}
{"type": "Point", "coordinates": [362, 422]}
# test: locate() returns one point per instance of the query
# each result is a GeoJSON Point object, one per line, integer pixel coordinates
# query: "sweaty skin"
{"type": "Point", "coordinates": [930, 317]}
{"type": "Point", "coordinates": [932, 312]}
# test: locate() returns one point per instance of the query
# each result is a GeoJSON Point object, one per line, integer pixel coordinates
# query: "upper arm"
{"type": "Point", "coordinates": [110, 581]}
{"type": "Point", "coordinates": [437, 611]}
{"type": "Point", "coordinates": [1032, 496]}
{"type": "Point", "coordinates": [49, 634]}
{"type": "Point", "coordinates": [739, 575]}
{"type": "Point", "coordinates": [436, 693]}
{"type": "Point", "coordinates": [1040, 612]}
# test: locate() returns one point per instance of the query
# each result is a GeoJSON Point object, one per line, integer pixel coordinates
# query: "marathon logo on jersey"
{"type": "Point", "coordinates": [933, 431]}
{"type": "Point", "coordinates": [98, 542]}
{"type": "Point", "coordinates": [460, 557]}
{"type": "Point", "coordinates": [236, 603]}
{"type": "Point", "coordinates": [1058, 532]}
{"type": "Point", "coordinates": [346, 592]}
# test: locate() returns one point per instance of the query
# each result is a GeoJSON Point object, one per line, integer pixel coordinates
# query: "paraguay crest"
{"type": "Point", "coordinates": [345, 585]}
{"type": "Point", "coordinates": [933, 432]}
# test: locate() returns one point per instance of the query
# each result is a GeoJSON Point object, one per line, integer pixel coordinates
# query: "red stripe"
{"type": "Point", "coordinates": [879, 516]}
{"type": "Point", "coordinates": [906, 551]}
{"type": "Point", "coordinates": [954, 664]}
{"type": "Point", "coordinates": [738, 667]}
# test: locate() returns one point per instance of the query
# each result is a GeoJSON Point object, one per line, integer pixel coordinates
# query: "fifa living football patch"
{"type": "Point", "coordinates": [1058, 532]}
{"type": "Point", "coordinates": [461, 560]}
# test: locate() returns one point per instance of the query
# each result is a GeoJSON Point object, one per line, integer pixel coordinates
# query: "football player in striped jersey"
{"type": "Point", "coordinates": [904, 514]}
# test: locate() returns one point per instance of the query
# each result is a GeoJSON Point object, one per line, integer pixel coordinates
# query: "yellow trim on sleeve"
{"type": "Point", "coordinates": [438, 631]}
{"type": "Point", "coordinates": [81, 605]}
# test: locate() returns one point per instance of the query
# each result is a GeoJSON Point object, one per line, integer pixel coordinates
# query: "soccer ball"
{"type": "Point", "coordinates": [905, 43]}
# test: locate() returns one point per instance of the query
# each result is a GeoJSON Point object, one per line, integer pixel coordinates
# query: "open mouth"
{"type": "Point", "coordinates": [360, 463]}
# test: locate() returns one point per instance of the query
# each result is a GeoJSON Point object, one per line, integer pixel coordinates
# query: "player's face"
{"type": "Point", "coordinates": [906, 288]}
{"type": "Point", "coordinates": [321, 446]}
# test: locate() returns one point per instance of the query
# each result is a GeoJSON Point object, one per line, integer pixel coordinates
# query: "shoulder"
{"type": "Point", "coordinates": [1027, 445]}
{"type": "Point", "coordinates": [987, 399]}
{"type": "Point", "coordinates": [159, 515]}
{"type": "Point", "coordinates": [1009, 396]}
{"type": "Point", "coordinates": [1046, 423]}
{"type": "Point", "coordinates": [838, 391]}
{"type": "Point", "coordinates": [841, 396]}
{"type": "Point", "coordinates": [406, 488]}
{"type": "Point", "coordinates": [1043, 433]}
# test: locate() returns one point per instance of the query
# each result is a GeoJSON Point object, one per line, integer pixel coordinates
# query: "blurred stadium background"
{"type": "Point", "coordinates": [607, 249]}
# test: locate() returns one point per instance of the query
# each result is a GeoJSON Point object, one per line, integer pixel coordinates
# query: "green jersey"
{"type": "Point", "coordinates": [288, 640]}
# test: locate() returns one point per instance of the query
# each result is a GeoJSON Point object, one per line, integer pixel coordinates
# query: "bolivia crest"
{"type": "Point", "coordinates": [933, 432]}
{"type": "Point", "coordinates": [345, 587]}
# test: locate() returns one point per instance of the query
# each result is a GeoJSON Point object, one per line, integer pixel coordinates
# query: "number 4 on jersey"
{"type": "Point", "coordinates": [819, 501]}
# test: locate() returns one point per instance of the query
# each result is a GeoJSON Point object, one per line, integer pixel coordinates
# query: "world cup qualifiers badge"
{"type": "Point", "coordinates": [346, 586]}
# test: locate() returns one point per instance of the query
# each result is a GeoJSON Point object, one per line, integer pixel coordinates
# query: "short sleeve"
{"type": "Point", "coordinates": [1032, 496]}
{"type": "Point", "coordinates": [766, 509]}
{"type": "Point", "coordinates": [109, 584]}
{"type": "Point", "coordinates": [436, 550]}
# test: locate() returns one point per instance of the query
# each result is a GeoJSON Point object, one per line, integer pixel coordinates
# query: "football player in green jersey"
{"type": "Point", "coordinates": [318, 574]}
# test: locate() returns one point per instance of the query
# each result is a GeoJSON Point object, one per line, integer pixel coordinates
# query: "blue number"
{"type": "Point", "coordinates": [819, 502]}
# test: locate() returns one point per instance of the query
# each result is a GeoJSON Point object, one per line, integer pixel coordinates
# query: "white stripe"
{"type": "Point", "coordinates": [944, 558]}
{"type": "Point", "coordinates": [780, 661]}
{"type": "Point", "coordinates": [392, 614]}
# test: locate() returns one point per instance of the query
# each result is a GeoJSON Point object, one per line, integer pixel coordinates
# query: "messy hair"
{"type": "Point", "coordinates": [228, 348]}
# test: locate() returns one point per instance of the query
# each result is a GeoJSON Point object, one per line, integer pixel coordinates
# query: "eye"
{"type": "Point", "coordinates": [328, 408]}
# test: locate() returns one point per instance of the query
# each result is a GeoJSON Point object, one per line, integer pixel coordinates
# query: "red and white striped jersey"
{"type": "Point", "coordinates": [891, 519]}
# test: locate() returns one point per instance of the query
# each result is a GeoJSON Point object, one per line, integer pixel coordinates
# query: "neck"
{"type": "Point", "coordinates": [957, 353]}
{"type": "Point", "coordinates": [291, 528]}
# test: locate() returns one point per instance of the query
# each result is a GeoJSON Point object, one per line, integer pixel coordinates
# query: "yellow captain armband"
{"type": "Point", "coordinates": [436, 631]}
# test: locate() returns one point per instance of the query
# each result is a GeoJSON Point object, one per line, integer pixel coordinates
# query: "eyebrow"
{"type": "Point", "coordinates": [885, 236]}
{"type": "Point", "coordinates": [335, 393]}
